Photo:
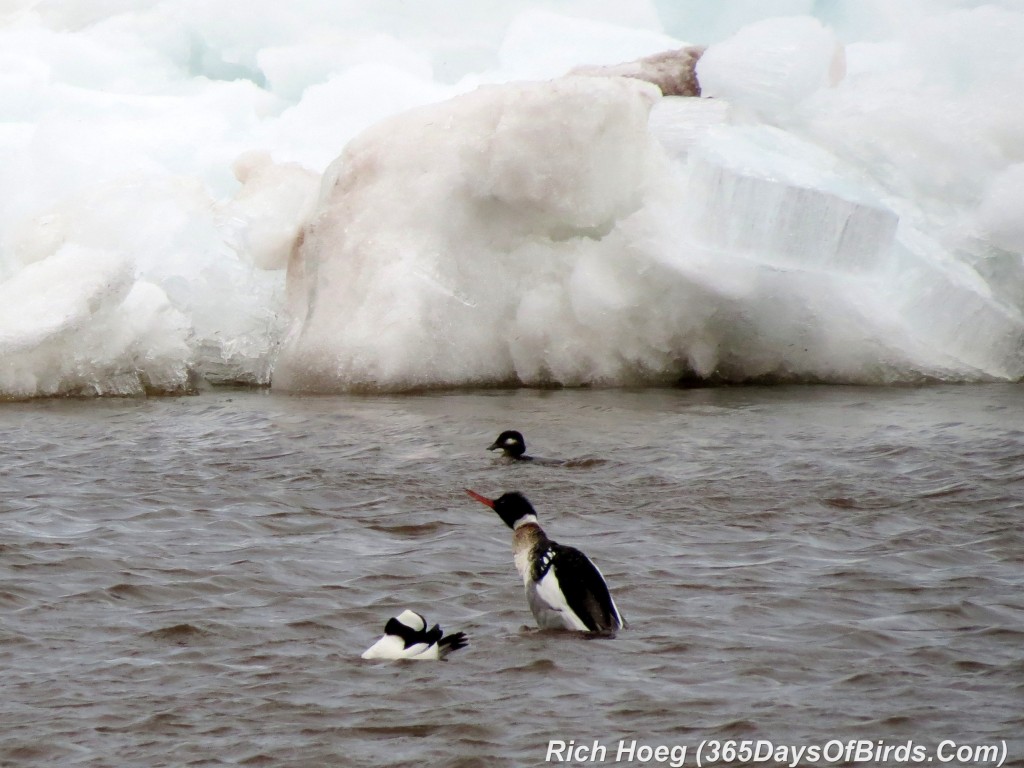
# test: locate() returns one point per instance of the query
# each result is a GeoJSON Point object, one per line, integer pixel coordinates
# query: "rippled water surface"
{"type": "Point", "coordinates": [191, 581]}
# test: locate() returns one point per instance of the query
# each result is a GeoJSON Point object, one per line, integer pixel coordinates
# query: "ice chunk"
{"type": "Point", "coordinates": [274, 202]}
{"type": "Point", "coordinates": [433, 227]}
{"type": "Point", "coordinates": [679, 122]}
{"type": "Point", "coordinates": [313, 131]}
{"type": "Point", "coordinates": [847, 263]}
{"type": "Point", "coordinates": [951, 308]}
{"type": "Point", "coordinates": [77, 322]}
{"type": "Point", "coordinates": [760, 190]}
{"type": "Point", "coordinates": [529, 233]}
{"type": "Point", "coordinates": [1000, 217]}
{"type": "Point", "coordinates": [772, 65]}
{"type": "Point", "coordinates": [202, 256]}
{"type": "Point", "coordinates": [674, 72]}
{"type": "Point", "coordinates": [291, 69]}
{"type": "Point", "coordinates": [540, 44]}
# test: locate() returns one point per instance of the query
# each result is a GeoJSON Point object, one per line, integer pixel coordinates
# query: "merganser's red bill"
{"type": "Point", "coordinates": [481, 499]}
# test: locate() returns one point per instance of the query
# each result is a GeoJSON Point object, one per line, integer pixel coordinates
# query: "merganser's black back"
{"type": "Point", "coordinates": [583, 586]}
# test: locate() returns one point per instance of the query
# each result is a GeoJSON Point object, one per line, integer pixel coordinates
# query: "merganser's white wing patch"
{"type": "Point", "coordinates": [549, 591]}
{"type": "Point", "coordinates": [572, 585]}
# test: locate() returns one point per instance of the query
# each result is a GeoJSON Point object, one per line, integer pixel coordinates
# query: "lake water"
{"type": "Point", "coordinates": [190, 581]}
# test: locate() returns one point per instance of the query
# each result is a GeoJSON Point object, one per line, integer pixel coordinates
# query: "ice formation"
{"type": "Point", "coordinates": [772, 65]}
{"type": "Point", "coordinates": [329, 197]}
{"type": "Point", "coordinates": [447, 238]}
{"type": "Point", "coordinates": [78, 322]}
{"type": "Point", "coordinates": [673, 71]}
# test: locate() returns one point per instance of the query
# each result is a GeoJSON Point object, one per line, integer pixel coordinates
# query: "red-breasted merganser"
{"type": "Point", "coordinates": [406, 637]}
{"type": "Point", "coordinates": [564, 589]}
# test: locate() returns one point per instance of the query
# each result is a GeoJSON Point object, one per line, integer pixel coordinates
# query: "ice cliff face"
{"type": "Point", "coordinates": [455, 243]}
{"type": "Point", "coordinates": [587, 230]}
{"type": "Point", "coordinates": [831, 197]}
{"type": "Point", "coordinates": [78, 322]}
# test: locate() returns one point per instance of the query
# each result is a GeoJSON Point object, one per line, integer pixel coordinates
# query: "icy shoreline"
{"type": "Point", "coordinates": [829, 210]}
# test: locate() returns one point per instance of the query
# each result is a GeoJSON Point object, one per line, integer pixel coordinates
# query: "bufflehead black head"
{"type": "Point", "coordinates": [511, 443]}
{"type": "Point", "coordinates": [514, 508]}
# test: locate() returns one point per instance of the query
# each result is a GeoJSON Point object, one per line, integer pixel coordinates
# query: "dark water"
{"type": "Point", "coordinates": [190, 582]}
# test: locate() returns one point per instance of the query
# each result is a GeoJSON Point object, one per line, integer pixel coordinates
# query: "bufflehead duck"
{"type": "Point", "coordinates": [406, 637]}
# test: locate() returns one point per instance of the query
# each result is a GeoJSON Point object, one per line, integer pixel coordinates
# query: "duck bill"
{"type": "Point", "coordinates": [482, 499]}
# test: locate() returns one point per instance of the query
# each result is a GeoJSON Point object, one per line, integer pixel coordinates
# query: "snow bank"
{"type": "Point", "coordinates": [842, 204]}
{"type": "Point", "coordinates": [78, 323]}
{"type": "Point", "coordinates": [442, 234]}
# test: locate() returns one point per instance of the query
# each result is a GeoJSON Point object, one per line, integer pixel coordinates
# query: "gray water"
{"type": "Point", "coordinates": [190, 581]}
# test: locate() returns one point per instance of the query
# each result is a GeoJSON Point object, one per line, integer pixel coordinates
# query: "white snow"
{"type": "Point", "coordinates": [436, 227]}
{"type": "Point", "coordinates": [335, 195]}
{"type": "Point", "coordinates": [772, 65]}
